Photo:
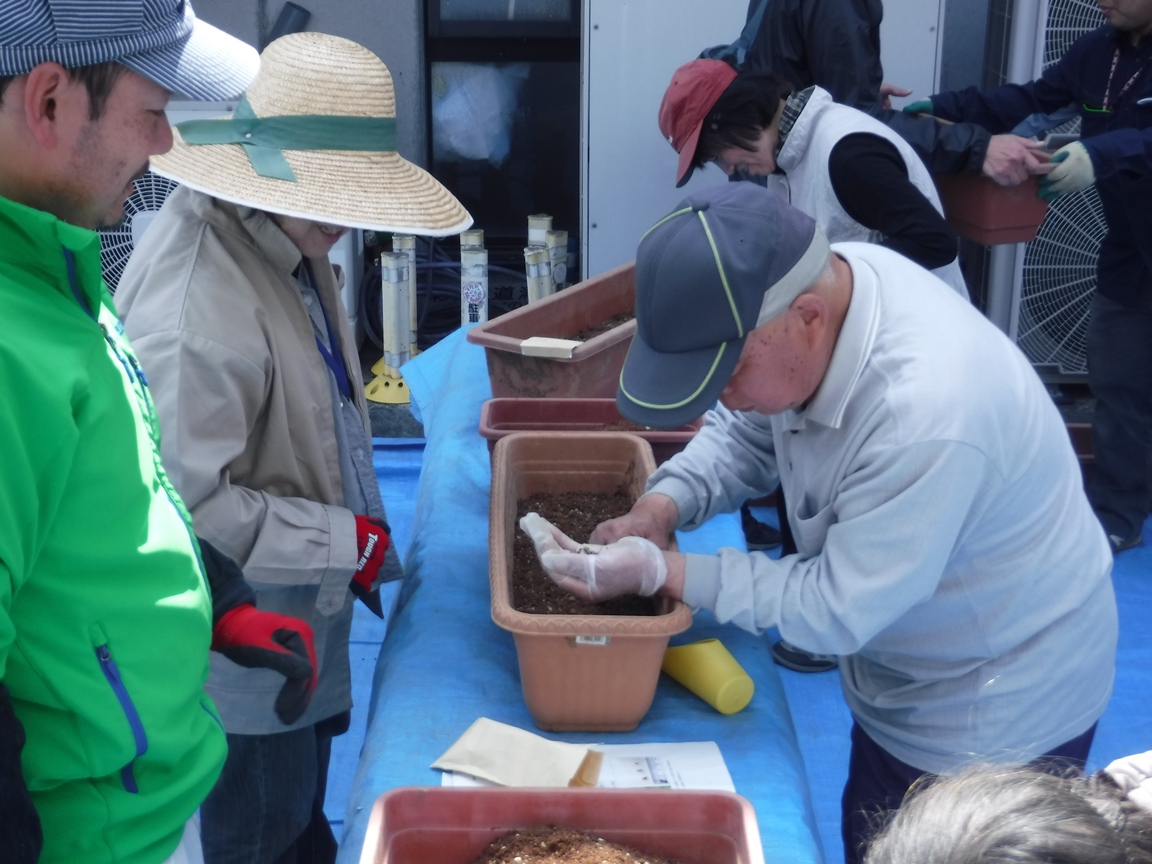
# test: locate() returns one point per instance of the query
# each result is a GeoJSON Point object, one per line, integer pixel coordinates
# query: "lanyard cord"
{"type": "Point", "coordinates": [334, 360]}
{"type": "Point", "coordinates": [1108, 90]}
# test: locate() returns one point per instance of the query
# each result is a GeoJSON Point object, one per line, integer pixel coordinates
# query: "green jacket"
{"type": "Point", "coordinates": [105, 616]}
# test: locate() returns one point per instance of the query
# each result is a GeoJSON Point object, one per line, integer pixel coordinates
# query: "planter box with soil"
{"type": "Point", "coordinates": [583, 667]}
{"type": "Point", "coordinates": [453, 826]}
{"type": "Point", "coordinates": [570, 344]}
{"type": "Point", "coordinates": [498, 417]}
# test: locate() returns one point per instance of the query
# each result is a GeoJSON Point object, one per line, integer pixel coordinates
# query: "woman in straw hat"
{"type": "Point", "coordinates": [235, 313]}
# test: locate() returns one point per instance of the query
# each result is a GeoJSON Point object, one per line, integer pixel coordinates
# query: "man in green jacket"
{"type": "Point", "coordinates": [108, 604]}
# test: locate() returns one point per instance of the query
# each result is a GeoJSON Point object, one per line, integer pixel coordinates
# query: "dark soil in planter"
{"type": "Point", "coordinates": [623, 426]}
{"type": "Point", "coordinates": [553, 845]}
{"type": "Point", "coordinates": [576, 514]}
{"type": "Point", "coordinates": [604, 326]}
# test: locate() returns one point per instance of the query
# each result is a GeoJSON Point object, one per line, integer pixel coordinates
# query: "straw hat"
{"type": "Point", "coordinates": [314, 137]}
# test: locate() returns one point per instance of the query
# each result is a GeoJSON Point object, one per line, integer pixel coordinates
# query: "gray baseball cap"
{"type": "Point", "coordinates": [159, 39]}
{"type": "Point", "coordinates": [726, 260]}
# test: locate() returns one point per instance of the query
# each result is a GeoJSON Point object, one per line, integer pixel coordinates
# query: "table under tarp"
{"type": "Point", "coordinates": [444, 663]}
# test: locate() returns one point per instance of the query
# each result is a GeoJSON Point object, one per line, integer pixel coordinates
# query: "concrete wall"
{"type": "Point", "coordinates": [391, 29]}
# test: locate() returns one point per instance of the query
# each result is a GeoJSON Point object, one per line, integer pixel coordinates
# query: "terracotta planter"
{"type": "Point", "coordinates": [534, 351]}
{"type": "Point", "coordinates": [577, 672]}
{"type": "Point", "coordinates": [980, 210]}
{"type": "Point", "coordinates": [453, 826]}
{"type": "Point", "coordinates": [499, 417]}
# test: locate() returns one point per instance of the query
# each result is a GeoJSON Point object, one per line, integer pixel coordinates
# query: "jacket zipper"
{"type": "Point", "coordinates": [135, 376]}
{"type": "Point", "coordinates": [112, 673]}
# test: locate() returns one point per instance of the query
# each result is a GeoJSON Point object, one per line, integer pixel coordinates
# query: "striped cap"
{"type": "Point", "coordinates": [160, 39]}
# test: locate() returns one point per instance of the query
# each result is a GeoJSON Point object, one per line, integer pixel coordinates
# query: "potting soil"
{"type": "Point", "coordinates": [553, 845]}
{"type": "Point", "coordinates": [604, 326]}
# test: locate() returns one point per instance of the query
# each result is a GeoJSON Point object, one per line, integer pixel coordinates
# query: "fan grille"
{"type": "Point", "coordinates": [1067, 21]}
{"type": "Point", "coordinates": [1058, 282]}
{"type": "Point", "coordinates": [1059, 270]}
{"type": "Point", "coordinates": [117, 242]}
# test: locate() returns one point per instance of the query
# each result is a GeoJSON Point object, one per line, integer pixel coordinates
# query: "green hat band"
{"type": "Point", "coordinates": [265, 139]}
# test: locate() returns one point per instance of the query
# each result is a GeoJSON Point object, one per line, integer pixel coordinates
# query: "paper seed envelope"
{"type": "Point", "coordinates": [510, 756]}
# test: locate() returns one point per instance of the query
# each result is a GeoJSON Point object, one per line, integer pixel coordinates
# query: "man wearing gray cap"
{"type": "Point", "coordinates": [108, 742]}
{"type": "Point", "coordinates": [946, 551]}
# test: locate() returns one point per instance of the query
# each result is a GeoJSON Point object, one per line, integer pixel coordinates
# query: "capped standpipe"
{"type": "Point", "coordinates": [538, 227]}
{"type": "Point", "coordinates": [557, 243]}
{"type": "Point", "coordinates": [538, 269]}
{"type": "Point", "coordinates": [388, 386]}
{"type": "Point", "coordinates": [473, 285]}
{"type": "Point", "coordinates": [406, 243]}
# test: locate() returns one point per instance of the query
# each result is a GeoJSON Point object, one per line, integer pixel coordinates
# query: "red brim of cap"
{"type": "Point", "coordinates": [687, 154]}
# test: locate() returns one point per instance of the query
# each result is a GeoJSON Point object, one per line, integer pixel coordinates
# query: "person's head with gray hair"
{"type": "Point", "coordinates": [1015, 815]}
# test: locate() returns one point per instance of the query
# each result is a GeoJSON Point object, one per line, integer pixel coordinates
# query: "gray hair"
{"type": "Point", "coordinates": [1015, 815]}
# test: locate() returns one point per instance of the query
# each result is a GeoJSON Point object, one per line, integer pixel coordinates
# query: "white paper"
{"type": "Point", "coordinates": [676, 765]}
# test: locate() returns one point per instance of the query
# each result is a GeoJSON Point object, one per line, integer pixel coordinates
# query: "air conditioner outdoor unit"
{"type": "Point", "coordinates": [1054, 275]}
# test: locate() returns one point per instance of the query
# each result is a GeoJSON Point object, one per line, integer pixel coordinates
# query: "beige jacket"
{"type": "Point", "coordinates": [249, 434]}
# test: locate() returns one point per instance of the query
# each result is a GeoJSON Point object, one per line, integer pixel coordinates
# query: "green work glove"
{"type": "Point", "coordinates": [920, 106]}
{"type": "Point", "coordinates": [1073, 172]}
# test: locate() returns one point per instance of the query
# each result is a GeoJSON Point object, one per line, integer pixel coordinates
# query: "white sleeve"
{"type": "Point", "coordinates": [731, 459]}
{"type": "Point", "coordinates": [882, 546]}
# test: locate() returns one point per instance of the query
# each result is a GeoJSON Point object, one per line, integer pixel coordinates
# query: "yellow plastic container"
{"type": "Point", "coordinates": [712, 673]}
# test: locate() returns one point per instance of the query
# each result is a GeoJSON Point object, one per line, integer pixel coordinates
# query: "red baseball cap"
{"type": "Point", "coordinates": [694, 90]}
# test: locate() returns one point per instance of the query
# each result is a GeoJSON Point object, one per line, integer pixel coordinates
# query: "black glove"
{"type": "Point", "coordinates": [256, 639]}
{"type": "Point", "coordinates": [20, 834]}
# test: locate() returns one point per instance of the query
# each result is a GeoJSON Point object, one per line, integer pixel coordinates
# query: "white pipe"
{"type": "Point", "coordinates": [473, 285]}
{"type": "Point", "coordinates": [406, 243]}
{"type": "Point", "coordinates": [538, 269]}
{"type": "Point", "coordinates": [394, 268]}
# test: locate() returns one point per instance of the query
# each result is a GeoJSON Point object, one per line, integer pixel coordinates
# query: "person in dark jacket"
{"type": "Point", "coordinates": [1107, 74]}
{"type": "Point", "coordinates": [835, 44]}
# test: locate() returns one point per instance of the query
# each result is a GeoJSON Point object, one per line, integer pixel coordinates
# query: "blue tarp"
{"type": "Point", "coordinates": [444, 663]}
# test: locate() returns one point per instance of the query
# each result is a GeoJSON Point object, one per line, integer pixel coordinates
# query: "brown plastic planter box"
{"type": "Point", "coordinates": [541, 367]}
{"type": "Point", "coordinates": [498, 417]}
{"type": "Point", "coordinates": [977, 208]}
{"type": "Point", "coordinates": [577, 672]}
{"type": "Point", "coordinates": [413, 824]}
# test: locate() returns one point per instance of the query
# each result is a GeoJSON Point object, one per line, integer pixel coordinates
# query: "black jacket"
{"type": "Point", "coordinates": [1118, 140]}
{"type": "Point", "coordinates": [836, 44]}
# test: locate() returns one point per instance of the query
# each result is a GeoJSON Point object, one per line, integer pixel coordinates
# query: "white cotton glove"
{"type": "Point", "coordinates": [1133, 774]}
{"type": "Point", "coordinates": [1073, 172]}
{"type": "Point", "coordinates": [631, 565]}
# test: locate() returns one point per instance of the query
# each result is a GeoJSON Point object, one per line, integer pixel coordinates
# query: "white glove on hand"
{"type": "Point", "coordinates": [1073, 172]}
{"type": "Point", "coordinates": [1133, 774]}
{"type": "Point", "coordinates": [631, 565]}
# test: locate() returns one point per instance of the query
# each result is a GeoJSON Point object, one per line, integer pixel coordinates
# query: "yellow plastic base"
{"type": "Point", "coordinates": [389, 391]}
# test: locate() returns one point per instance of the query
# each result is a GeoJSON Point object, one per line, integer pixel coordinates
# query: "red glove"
{"type": "Point", "coordinates": [373, 541]}
{"type": "Point", "coordinates": [256, 639]}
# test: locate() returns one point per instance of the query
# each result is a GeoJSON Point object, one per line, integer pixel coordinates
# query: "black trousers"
{"type": "Point", "coordinates": [877, 782]}
{"type": "Point", "coordinates": [268, 805]}
{"type": "Point", "coordinates": [1119, 348]}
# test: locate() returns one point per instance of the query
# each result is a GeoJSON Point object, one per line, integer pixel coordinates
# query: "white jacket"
{"type": "Point", "coordinates": [804, 158]}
